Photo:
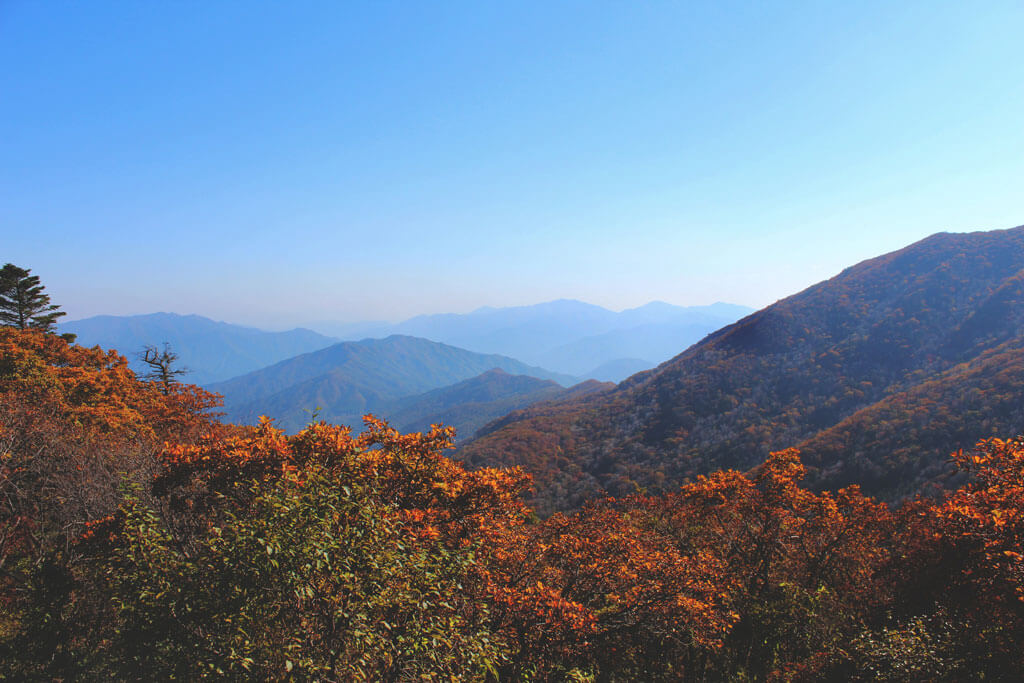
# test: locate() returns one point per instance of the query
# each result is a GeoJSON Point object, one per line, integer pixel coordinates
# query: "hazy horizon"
{"type": "Point", "coordinates": [271, 325]}
{"type": "Point", "coordinates": [271, 165]}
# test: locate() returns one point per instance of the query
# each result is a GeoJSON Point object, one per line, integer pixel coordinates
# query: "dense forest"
{"type": "Point", "coordinates": [876, 375]}
{"type": "Point", "coordinates": [142, 539]}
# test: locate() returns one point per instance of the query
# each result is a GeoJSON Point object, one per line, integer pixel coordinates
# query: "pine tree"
{"type": "Point", "coordinates": [23, 304]}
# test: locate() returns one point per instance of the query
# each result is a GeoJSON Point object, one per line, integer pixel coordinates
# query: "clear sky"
{"type": "Point", "coordinates": [270, 163]}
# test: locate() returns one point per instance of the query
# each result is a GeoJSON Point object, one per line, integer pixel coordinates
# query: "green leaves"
{"type": "Point", "coordinates": [312, 578]}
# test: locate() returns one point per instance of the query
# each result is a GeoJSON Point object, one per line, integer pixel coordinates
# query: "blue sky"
{"type": "Point", "coordinates": [272, 163]}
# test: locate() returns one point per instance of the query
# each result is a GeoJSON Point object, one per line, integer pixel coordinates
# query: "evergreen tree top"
{"type": "Point", "coordinates": [23, 301]}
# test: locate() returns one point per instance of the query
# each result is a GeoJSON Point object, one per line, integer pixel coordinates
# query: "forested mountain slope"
{"type": "Point", "coordinates": [875, 373]}
{"type": "Point", "coordinates": [353, 378]}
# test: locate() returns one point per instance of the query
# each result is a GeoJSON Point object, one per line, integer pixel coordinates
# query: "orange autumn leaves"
{"type": "Point", "coordinates": [732, 576]}
{"type": "Point", "coordinates": [94, 389]}
{"type": "Point", "coordinates": [984, 522]}
{"type": "Point", "coordinates": [407, 471]}
{"type": "Point", "coordinates": [74, 423]}
{"type": "Point", "coordinates": [558, 591]}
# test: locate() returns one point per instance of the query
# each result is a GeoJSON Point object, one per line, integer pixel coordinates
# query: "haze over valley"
{"type": "Point", "coordinates": [569, 342]}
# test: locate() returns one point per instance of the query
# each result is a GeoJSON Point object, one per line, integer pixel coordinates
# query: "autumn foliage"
{"type": "Point", "coordinates": [142, 539]}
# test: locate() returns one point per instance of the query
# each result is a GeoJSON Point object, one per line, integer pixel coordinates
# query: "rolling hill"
{"type": "Point", "coordinates": [349, 379]}
{"type": "Point", "coordinates": [875, 374]}
{"type": "Point", "coordinates": [212, 351]}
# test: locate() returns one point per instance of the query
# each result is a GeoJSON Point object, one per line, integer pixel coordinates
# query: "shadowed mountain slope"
{"type": "Point", "coordinates": [471, 404]}
{"type": "Point", "coordinates": [876, 373]}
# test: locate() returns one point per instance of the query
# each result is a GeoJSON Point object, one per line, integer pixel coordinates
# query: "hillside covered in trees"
{"type": "Point", "coordinates": [140, 538]}
{"type": "Point", "coordinates": [344, 381]}
{"type": "Point", "coordinates": [875, 374]}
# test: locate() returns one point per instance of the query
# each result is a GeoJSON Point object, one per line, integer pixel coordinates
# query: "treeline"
{"type": "Point", "coordinates": [142, 539]}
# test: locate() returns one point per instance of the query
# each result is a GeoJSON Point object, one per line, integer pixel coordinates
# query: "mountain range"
{"type": "Point", "coordinates": [568, 336]}
{"type": "Point", "coordinates": [346, 380]}
{"type": "Point", "coordinates": [875, 374]}
{"type": "Point", "coordinates": [211, 351]}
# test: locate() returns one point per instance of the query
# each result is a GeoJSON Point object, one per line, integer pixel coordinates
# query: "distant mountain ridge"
{"type": "Point", "coordinates": [346, 380]}
{"type": "Point", "coordinates": [657, 341]}
{"type": "Point", "coordinates": [212, 351]}
{"type": "Point", "coordinates": [875, 374]}
{"type": "Point", "coordinates": [615, 370]}
{"type": "Point", "coordinates": [566, 335]}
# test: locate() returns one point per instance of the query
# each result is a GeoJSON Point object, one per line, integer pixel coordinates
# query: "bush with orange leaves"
{"type": "Point", "coordinates": [984, 521]}
{"type": "Point", "coordinates": [797, 569]}
{"type": "Point", "coordinates": [94, 389]}
{"type": "Point", "coordinates": [407, 471]}
{"type": "Point", "coordinates": [440, 505]}
{"type": "Point", "coordinates": [971, 562]}
{"type": "Point", "coordinates": [74, 424]}
{"type": "Point", "coordinates": [604, 591]}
